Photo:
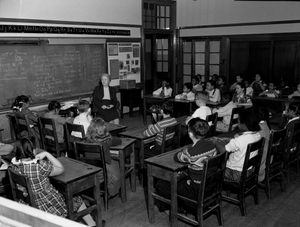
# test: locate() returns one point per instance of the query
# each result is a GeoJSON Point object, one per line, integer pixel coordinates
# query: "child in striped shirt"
{"type": "Point", "coordinates": [158, 128]}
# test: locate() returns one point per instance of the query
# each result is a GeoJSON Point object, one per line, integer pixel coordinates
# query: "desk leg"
{"type": "Point", "coordinates": [141, 160]}
{"type": "Point", "coordinates": [97, 199]}
{"type": "Point", "coordinates": [173, 211]}
{"type": "Point", "coordinates": [69, 203]}
{"type": "Point", "coordinates": [122, 170]}
{"type": "Point", "coordinates": [151, 214]}
{"type": "Point", "coordinates": [132, 174]}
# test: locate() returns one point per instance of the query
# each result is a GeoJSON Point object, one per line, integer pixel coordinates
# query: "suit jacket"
{"type": "Point", "coordinates": [98, 97]}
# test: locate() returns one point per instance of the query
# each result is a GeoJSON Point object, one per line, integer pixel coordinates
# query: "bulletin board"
{"type": "Point", "coordinates": [124, 61]}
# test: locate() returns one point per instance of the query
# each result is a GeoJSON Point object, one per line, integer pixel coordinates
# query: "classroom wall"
{"type": "Point", "coordinates": [237, 13]}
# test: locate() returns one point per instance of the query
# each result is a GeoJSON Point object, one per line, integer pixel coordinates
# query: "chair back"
{"type": "Point", "coordinates": [68, 129]}
{"type": "Point", "coordinates": [234, 117]}
{"type": "Point", "coordinates": [49, 136]}
{"type": "Point", "coordinates": [213, 118]}
{"type": "Point", "coordinates": [276, 151]}
{"type": "Point", "coordinates": [93, 154]}
{"type": "Point", "coordinates": [22, 124]}
{"type": "Point", "coordinates": [14, 131]}
{"type": "Point", "coordinates": [212, 179]}
{"type": "Point", "coordinates": [171, 137]}
{"type": "Point", "coordinates": [249, 176]}
{"type": "Point", "coordinates": [21, 188]}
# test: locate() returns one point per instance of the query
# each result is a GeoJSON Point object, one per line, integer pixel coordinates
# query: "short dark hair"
{"type": "Point", "coordinates": [295, 106]}
{"type": "Point", "coordinates": [188, 86]}
{"type": "Point", "coordinates": [53, 105]}
{"type": "Point", "coordinates": [251, 119]}
{"type": "Point", "coordinates": [212, 82]}
{"type": "Point", "coordinates": [167, 107]}
{"type": "Point", "coordinates": [83, 105]}
{"type": "Point", "coordinates": [196, 78]}
{"type": "Point", "coordinates": [223, 78]}
{"type": "Point", "coordinates": [198, 127]}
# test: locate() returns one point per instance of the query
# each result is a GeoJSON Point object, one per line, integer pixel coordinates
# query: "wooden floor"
{"type": "Point", "coordinates": [283, 210]}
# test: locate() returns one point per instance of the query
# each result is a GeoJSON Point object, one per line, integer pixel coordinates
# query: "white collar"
{"type": "Point", "coordinates": [15, 162]}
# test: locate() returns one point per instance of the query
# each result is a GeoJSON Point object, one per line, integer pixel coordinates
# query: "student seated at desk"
{"type": "Point", "coordinates": [203, 111]}
{"type": "Point", "coordinates": [98, 134]}
{"type": "Point", "coordinates": [157, 129]}
{"type": "Point", "coordinates": [187, 93]}
{"type": "Point", "coordinates": [84, 118]}
{"type": "Point", "coordinates": [257, 85]}
{"type": "Point", "coordinates": [249, 89]}
{"type": "Point", "coordinates": [54, 108]}
{"type": "Point", "coordinates": [165, 90]}
{"type": "Point", "coordinates": [38, 165]}
{"type": "Point", "coordinates": [296, 93]}
{"type": "Point", "coordinates": [249, 124]}
{"type": "Point", "coordinates": [197, 86]}
{"type": "Point", "coordinates": [189, 182]}
{"type": "Point", "coordinates": [290, 115]}
{"type": "Point", "coordinates": [271, 92]}
{"type": "Point", "coordinates": [213, 92]}
{"type": "Point", "coordinates": [239, 78]}
{"type": "Point", "coordinates": [239, 99]}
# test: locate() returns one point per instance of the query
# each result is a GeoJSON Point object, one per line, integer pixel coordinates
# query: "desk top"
{"type": "Point", "coordinates": [125, 143]}
{"type": "Point", "coordinates": [156, 97]}
{"type": "Point", "coordinates": [74, 170]}
{"type": "Point", "coordinates": [166, 160]}
{"type": "Point", "coordinates": [136, 134]}
{"type": "Point", "coordinates": [181, 119]}
{"type": "Point", "coordinates": [270, 99]}
{"type": "Point", "coordinates": [111, 127]}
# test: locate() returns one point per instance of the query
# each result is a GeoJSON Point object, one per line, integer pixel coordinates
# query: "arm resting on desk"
{"type": "Point", "coordinates": [57, 167]}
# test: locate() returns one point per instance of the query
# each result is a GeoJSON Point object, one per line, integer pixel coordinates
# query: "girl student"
{"type": "Point", "coordinates": [239, 78]}
{"type": "Point", "coordinates": [187, 92]}
{"type": "Point", "coordinates": [296, 93]}
{"type": "Point", "coordinates": [98, 134]}
{"type": "Point", "coordinates": [196, 84]}
{"type": "Point", "coordinates": [54, 108]}
{"type": "Point", "coordinates": [38, 165]}
{"type": "Point", "coordinates": [213, 92]}
{"type": "Point", "coordinates": [239, 99]}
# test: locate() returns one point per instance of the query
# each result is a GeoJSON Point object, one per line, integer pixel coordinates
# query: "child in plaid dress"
{"type": "Point", "coordinates": [38, 168]}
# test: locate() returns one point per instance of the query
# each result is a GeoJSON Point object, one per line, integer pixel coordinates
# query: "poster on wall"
{"type": "Point", "coordinates": [124, 61]}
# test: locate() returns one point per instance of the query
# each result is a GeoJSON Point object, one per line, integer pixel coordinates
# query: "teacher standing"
{"type": "Point", "coordinates": [105, 101]}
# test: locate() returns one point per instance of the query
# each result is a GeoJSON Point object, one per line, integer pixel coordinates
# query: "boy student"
{"type": "Point", "coordinates": [201, 99]}
{"type": "Point", "coordinates": [187, 92]}
{"type": "Point", "coordinates": [84, 118]}
{"type": "Point", "coordinates": [157, 129]}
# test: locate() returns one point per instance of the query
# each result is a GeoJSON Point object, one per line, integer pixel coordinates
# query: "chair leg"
{"type": "Point", "coordinates": [255, 195]}
{"type": "Point", "coordinates": [220, 213]}
{"type": "Point", "coordinates": [242, 204]}
{"type": "Point", "coordinates": [268, 189]}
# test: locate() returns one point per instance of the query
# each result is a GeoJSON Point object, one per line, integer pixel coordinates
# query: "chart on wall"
{"type": "Point", "coordinates": [124, 61]}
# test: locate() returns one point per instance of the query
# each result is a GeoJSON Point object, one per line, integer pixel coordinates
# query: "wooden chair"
{"type": "Point", "coordinates": [174, 142]}
{"type": "Point", "coordinates": [47, 131]}
{"type": "Point", "coordinates": [275, 161]}
{"type": "Point", "coordinates": [68, 129]}
{"type": "Point", "coordinates": [21, 188]}
{"type": "Point", "coordinates": [293, 147]}
{"type": "Point", "coordinates": [234, 118]}
{"type": "Point", "coordinates": [209, 198]}
{"type": "Point", "coordinates": [213, 118]}
{"type": "Point", "coordinates": [13, 126]}
{"type": "Point", "coordinates": [95, 156]}
{"type": "Point", "coordinates": [249, 177]}
{"type": "Point", "coordinates": [22, 125]}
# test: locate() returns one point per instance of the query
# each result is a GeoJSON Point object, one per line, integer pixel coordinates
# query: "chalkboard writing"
{"type": "Point", "coordinates": [62, 30]}
{"type": "Point", "coordinates": [50, 71]}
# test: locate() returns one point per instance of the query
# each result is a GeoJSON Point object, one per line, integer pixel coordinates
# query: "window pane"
{"type": "Point", "coordinates": [162, 23]}
{"type": "Point", "coordinates": [214, 58]}
{"type": "Point", "coordinates": [199, 58]}
{"type": "Point", "coordinates": [187, 69]}
{"type": "Point", "coordinates": [159, 44]}
{"type": "Point", "coordinates": [199, 69]}
{"type": "Point", "coordinates": [187, 46]}
{"type": "Point", "coordinates": [167, 11]}
{"type": "Point", "coordinates": [214, 46]}
{"type": "Point", "coordinates": [167, 23]}
{"type": "Point", "coordinates": [165, 55]}
{"type": "Point", "coordinates": [159, 56]}
{"type": "Point", "coordinates": [157, 11]}
{"type": "Point", "coordinates": [145, 5]}
{"type": "Point", "coordinates": [165, 44]}
{"type": "Point", "coordinates": [157, 23]}
{"type": "Point", "coordinates": [162, 11]}
{"type": "Point", "coordinates": [166, 66]}
{"type": "Point", "coordinates": [200, 46]}
{"type": "Point", "coordinates": [186, 79]}
{"type": "Point", "coordinates": [214, 69]}
{"type": "Point", "coordinates": [187, 58]}
{"type": "Point", "coordinates": [159, 66]}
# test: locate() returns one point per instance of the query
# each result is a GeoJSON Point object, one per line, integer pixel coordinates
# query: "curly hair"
{"type": "Point", "coordinates": [97, 130]}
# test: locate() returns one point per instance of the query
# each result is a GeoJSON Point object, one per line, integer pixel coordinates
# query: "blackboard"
{"type": "Point", "coordinates": [50, 71]}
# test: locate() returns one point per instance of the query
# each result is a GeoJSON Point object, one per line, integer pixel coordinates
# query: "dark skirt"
{"type": "Point", "coordinates": [107, 114]}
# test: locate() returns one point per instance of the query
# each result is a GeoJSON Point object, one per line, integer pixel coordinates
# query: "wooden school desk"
{"type": "Point", "coordinates": [140, 143]}
{"type": "Point", "coordinates": [132, 98]}
{"type": "Point", "coordinates": [121, 153]}
{"type": "Point", "coordinates": [114, 129]}
{"type": "Point", "coordinates": [149, 100]}
{"type": "Point", "coordinates": [164, 167]}
{"type": "Point", "coordinates": [77, 177]}
{"type": "Point", "coordinates": [277, 104]}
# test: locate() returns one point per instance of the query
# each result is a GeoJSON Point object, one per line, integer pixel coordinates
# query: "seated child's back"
{"type": "Point", "coordinates": [84, 118]}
